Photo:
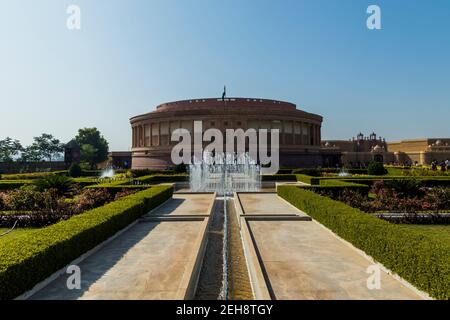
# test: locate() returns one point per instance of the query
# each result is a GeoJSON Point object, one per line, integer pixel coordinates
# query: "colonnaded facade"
{"type": "Point", "coordinates": [299, 139]}
{"type": "Point", "coordinates": [300, 143]}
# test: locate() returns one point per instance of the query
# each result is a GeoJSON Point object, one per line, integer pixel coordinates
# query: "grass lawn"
{"type": "Point", "coordinates": [15, 232]}
{"type": "Point", "coordinates": [439, 232]}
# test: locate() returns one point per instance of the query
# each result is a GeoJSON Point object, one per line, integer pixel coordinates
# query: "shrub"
{"type": "Point", "coordinates": [404, 187]}
{"type": "Point", "coordinates": [125, 193]}
{"type": "Point", "coordinates": [419, 258]}
{"type": "Point", "coordinates": [24, 199]}
{"type": "Point", "coordinates": [439, 197]}
{"type": "Point", "coordinates": [2, 201]}
{"type": "Point", "coordinates": [29, 258]}
{"type": "Point", "coordinates": [75, 170]}
{"type": "Point", "coordinates": [91, 198]}
{"type": "Point", "coordinates": [60, 183]}
{"type": "Point", "coordinates": [376, 169]}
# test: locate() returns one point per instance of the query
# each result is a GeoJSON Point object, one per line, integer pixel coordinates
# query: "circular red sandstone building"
{"type": "Point", "coordinates": [300, 131]}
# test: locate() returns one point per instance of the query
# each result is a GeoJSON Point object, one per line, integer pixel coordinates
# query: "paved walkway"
{"type": "Point", "coordinates": [154, 259]}
{"type": "Point", "coordinates": [266, 204]}
{"type": "Point", "coordinates": [303, 260]}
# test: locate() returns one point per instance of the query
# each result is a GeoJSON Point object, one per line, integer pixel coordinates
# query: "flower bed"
{"type": "Point", "coordinates": [49, 201]}
{"type": "Point", "coordinates": [418, 203]}
{"type": "Point", "coordinates": [31, 257]}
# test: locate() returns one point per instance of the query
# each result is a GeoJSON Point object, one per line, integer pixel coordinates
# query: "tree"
{"type": "Point", "coordinates": [88, 154]}
{"type": "Point", "coordinates": [9, 148]}
{"type": "Point", "coordinates": [92, 137]}
{"type": "Point", "coordinates": [75, 170]}
{"type": "Point", "coordinates": [47, 146]}
{"type": "Point", "coordinates": [30, 154]}
{"type": "Point", "coordinates": [376, 169]}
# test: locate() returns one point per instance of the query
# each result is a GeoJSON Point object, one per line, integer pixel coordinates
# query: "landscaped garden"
{"type": "Point", "coordinates": [414, 242]}
{"type": "Point", "coordinates": [49, 219]}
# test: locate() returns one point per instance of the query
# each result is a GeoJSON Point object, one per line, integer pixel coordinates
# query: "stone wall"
{"type": "Point", "coordinates": [27, 167]}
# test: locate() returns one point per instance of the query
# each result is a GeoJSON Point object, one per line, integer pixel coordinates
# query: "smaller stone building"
{"type": "Point", "coordinates": [360, 150]}
{"type": "Point", "coordinates": [421, 151]}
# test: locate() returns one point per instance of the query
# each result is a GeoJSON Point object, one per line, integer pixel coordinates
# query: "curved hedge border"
{"type": "Point", "coordinates": [163, 178]}
{"type": "Point", "coordinates": [28, 259]}
{"type": "Point", "coordinates": [418, 258]}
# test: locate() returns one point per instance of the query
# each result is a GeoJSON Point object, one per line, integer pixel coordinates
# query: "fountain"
{"type": "Point", "coordinates": [225, 174]}
{"type": "Point", "coordinates": [343, 172]}
{"type": "Point", "coordinates": [108, 172]}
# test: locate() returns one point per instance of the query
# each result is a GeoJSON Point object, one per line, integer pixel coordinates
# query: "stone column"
{"type": "Point", "coordinates": [159, 133]}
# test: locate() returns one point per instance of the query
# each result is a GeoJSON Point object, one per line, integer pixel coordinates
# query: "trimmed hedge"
{"type": "Point", "coordinates": [163, 178]}
{"type": "Point", "coordinates": [25, 176]}
{"type": "Point", "coordinates": [113, 189]}
{"type": "Point", "coordinates": [279, 177]}
{"type": "Point", "coordinates": [337, 187]}
{"type": "Point", "coordinates": [319, 171]}
{"type": "Point", "coordinates": [428, 181]}
{"type": "Point", "coordinates": [28, 259]}
{"type": "Point", "coordinates": [84, 182]}
{"type": "Point", "coordinates": [415, 256]}
{"type": "Point", "coordinates": [137, 173]}
{"type": "Point", "coordinates": [13, 184]}
{"type": "Point", "coordinates": [307, 179]}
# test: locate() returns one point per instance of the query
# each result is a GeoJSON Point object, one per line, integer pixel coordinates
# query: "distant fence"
{"type": "Point", "coordinates": [26, 167]}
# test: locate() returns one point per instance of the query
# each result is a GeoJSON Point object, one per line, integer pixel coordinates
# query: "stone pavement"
{"type": "Point", "coordinates": [303, 260]}
{"type": "Point", "coordinates": [154, 259]}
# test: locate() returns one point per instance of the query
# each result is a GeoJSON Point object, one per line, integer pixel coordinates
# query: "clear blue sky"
{"type": "Point", "coordinates": [132, 55]}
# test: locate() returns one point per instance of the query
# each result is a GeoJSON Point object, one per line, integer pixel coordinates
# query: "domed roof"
{"type": "Point", "coordinates": [439, 143]}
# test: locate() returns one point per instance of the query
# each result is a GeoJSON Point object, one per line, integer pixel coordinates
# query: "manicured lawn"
{"type": "Point", "coordinates": [438, 232]}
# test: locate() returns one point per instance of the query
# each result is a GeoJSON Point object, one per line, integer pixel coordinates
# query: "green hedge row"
{"type": "Point", "coordinates": [307, 179]}
{"type": "Point", "coordinates": [28, 259]}
{"type": "Point", "coordinates": [417, 257]}
{"type": "Point", "coordinates": [163, 178]}
{"type": "Point", "coordinates": [428, 181]}
{"type": "Point", "coordinates": [279, 177]}
{"type": "Point", "coordinates": [13, 184]}
{"type": "Point", "coordinates": [318, 171]}
{"type": "Point", "coordinates": [115, 188]}
{"type": "Point", "coordinates": [16, 184]}
{"type": "Point", "coordinates": [25, 176]}
{"type": "Point", "coordinates": [137, 173]}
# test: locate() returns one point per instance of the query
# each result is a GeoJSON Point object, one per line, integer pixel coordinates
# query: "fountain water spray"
{"type": "Point", "coordinates": [107, 173]}
{"type": "Point", "coordinates": [225, 173]}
